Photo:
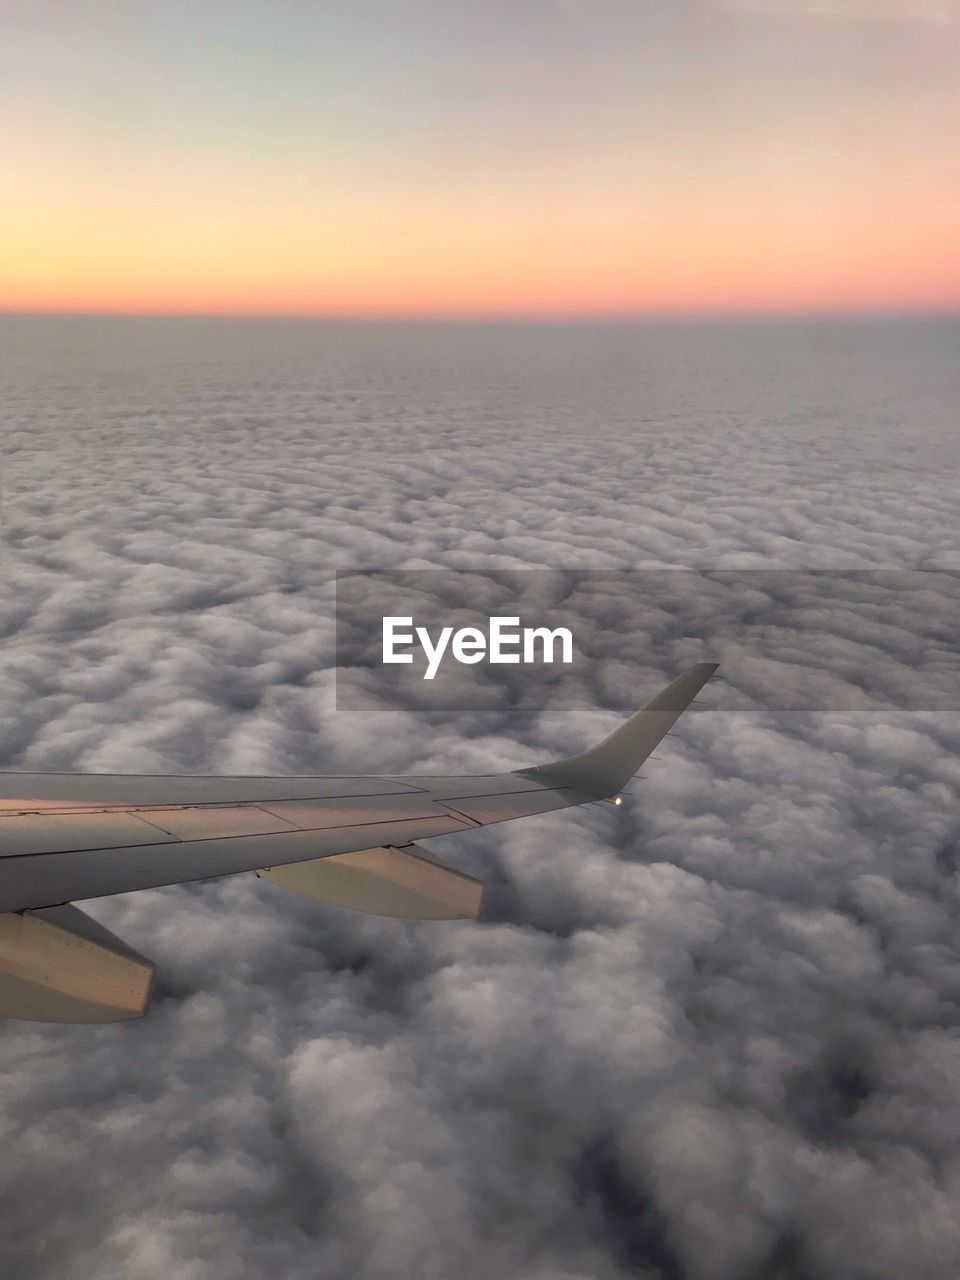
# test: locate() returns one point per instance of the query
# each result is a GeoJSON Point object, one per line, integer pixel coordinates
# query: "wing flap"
{"type": "Point", "coordinates": [406, 883]}
{"type": "Point", "coordinates": [58, 965]}
{"type": "Point", "coordinates": [41, 879]}
{"type": "Point", "coordinates": [211, 821]}
{"type": "Point", "coordinates": [58, 832]}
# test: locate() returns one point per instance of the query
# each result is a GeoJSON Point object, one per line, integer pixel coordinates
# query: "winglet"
{"type": "Point", "coordinates": [602, 770]}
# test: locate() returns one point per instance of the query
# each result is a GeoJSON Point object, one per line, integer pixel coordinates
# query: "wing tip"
{"type": "Point", "coordinates": [603, 769]}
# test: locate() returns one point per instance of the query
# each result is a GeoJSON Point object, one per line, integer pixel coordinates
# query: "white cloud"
{"type": "Point", "coordinates": [712, 1036]}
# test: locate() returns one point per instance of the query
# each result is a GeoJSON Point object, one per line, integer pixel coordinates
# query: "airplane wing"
{"type": "Point", "coordinates": [350, 841]}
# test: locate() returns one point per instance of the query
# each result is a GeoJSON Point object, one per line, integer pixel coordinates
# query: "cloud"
{"type": "Point", "coordinates": [712, 1036]}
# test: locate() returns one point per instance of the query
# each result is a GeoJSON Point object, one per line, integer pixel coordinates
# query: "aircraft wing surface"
{"type": "Point", "coordinates": [350, 840]}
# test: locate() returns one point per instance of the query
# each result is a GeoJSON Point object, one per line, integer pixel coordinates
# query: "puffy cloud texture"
{"type": "Point", "coordinates": [713, 1036]}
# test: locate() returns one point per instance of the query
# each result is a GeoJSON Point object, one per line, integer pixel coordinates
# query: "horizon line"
{"type": "Point", "coordinates": [639, 315]}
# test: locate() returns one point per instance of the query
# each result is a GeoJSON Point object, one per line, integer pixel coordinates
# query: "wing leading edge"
{"type": "Point", "coordinates": [352, 841]}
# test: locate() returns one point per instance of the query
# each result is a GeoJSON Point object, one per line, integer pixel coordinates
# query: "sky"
{"type": "Point", "coordinates": [440, 157]}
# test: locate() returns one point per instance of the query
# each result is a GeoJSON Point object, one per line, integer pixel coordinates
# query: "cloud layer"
{"type": "Point", "coordinates": [714, 1036]}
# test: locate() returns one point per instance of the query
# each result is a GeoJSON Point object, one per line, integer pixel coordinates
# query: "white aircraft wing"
{"type": "Point", "coordinates": [350, 841]}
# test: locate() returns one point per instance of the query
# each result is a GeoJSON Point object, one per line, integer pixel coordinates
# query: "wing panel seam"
{"type": "Point", "coordinates": [269, 835]}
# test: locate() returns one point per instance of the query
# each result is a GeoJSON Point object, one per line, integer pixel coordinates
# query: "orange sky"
{"type": "Point", "coordinates": [733, 161]}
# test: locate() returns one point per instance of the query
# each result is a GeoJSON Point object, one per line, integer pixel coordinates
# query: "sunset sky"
{"type": "Point", "coordinates": [496, 156]}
